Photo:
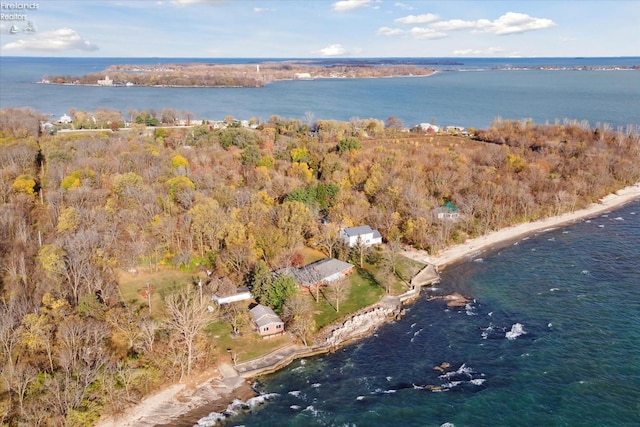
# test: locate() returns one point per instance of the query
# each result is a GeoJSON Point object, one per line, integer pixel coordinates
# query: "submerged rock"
{"type": "Point", "coordinates": [453, 300]}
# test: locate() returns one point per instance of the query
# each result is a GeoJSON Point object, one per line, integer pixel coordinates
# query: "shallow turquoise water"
{"type": "Point", "coordinates": [575, 291]}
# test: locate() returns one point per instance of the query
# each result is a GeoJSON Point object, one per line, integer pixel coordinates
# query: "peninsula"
{"type": "Point", "coordinates": [236, 75]}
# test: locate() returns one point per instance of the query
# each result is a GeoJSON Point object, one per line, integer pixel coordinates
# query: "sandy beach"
{"type": "Point", "coordinates": [475, 246]}
{"type": "Point", "coordinates": [217, 390]}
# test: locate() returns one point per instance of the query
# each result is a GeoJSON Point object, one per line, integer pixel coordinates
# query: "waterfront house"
{"type": "Point", "coordinates": [266, 321]}
{"type": "Point", "coordinates": [360, 235]}
{"type": "Point", "coordinates": [447, 211]}
{"type": "Point", "coordinates": [106, 82]}
{"type": "Point", "coordinates": [323, 272]}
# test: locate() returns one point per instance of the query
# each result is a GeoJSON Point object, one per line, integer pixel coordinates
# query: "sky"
{"type": "Point", "coordinates": [319, 28]}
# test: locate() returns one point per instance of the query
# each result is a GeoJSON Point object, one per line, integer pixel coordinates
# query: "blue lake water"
{"type": "Point", "coordinates": [463, 98]}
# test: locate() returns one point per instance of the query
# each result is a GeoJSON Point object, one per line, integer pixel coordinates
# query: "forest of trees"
{"type": "Point", "coordinates": [75, 209]}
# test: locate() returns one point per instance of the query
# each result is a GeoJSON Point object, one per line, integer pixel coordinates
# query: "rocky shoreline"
{"type": "Point", "coordinates": [189, 404]}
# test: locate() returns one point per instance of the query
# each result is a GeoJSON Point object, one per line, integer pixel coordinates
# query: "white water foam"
{"type": "Point", "coordinates": [516, 330]}
{"type": "Point", "coordinates": [311, 409]}
{"type": "Point", "coordinates": [486, 332]}
{"type": "Point", "coordinates": [469, 309]}
{"type": "Point", "coordinates": [462, 370]}
{"type": "Point", "coordinates": [210, 420]}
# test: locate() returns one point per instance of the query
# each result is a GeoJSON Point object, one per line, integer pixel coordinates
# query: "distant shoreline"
{"type": "Point", "coordinates": [259, 74]}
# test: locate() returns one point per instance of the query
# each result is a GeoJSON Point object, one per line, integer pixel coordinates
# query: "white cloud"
{"type": "Point", "coordinates": [58, 40]}
{"type": "Point", "coordinates": [426, 33]}
{"type": "Point", "coordinates": [512, 22]}
{"type": "Point", "coordinates": [455, 24]}
{"type": "Point", "coordinates": [387, 31]}
{"type": "Point", "coordinates": [418, 19]}
{"type": "Point", "coordinates": [262, 9]}
{"type": "Point", "coordinates": [403, 6]}
{"type": "Point", "coordinates": [478, 52]}
{"type": "Point", "coordinates": [332, 50]}
{"type": "Point", "coordinates": [346, 5]}
{"type": "Point", "coordinates": [509, 23]}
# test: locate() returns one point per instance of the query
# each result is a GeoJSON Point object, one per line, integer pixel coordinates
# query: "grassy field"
{"type": "Point", "coordinates": [247, 346]}
{"type": "Point", "coordinates": [363, 291]}
{"type": "Point", "coordinates": [133, 287]}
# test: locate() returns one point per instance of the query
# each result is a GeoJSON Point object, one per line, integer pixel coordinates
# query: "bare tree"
{"type": "Point", "coordinates": [298, 313]}
{"type": "Point", "coordinates": [187, 316]}
{"type": "Point", "coordinates": [236, 314]}
{"type": "Point", "coordinates": [328, 238]}
{"type": "Point", "coordinates": [339, 291]}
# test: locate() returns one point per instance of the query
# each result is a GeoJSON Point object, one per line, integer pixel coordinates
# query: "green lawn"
{"type": "Point", "coordinates": [364, 291]}
{"type": "Point", "coordinates": [247, 346]}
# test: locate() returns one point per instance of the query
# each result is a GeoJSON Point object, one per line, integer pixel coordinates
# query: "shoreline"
{"type": "Point", "coordinates": [175, 403]}
{"type": "Point", "coordinates": [501, 237]}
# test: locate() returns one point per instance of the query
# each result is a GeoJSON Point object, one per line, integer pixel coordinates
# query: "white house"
{"type": "Point", "coordinates": [106, 82]}
{"type": "Point", "coordinates": [65, 119]}
{"type": "Point", "coordinates": [363, 234]}
{"type": "Point", "coordinates": [428, 127]}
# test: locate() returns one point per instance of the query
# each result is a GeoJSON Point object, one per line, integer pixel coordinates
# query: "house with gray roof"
{"type": "Point", "coordinates": [323, 272]}
{"type": "Point", "coordinates": [363, 234]}
{"type": "Point", "coordinates": [266, 321]}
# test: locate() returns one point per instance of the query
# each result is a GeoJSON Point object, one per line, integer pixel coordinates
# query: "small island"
{"type": "Point", "coordinates": [236, 75]}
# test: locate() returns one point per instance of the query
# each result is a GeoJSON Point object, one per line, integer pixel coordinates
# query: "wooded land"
{"type": "Point", "coordinates": [235, 75]}
{"type": "Point", "coordinates": [226, 207]}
